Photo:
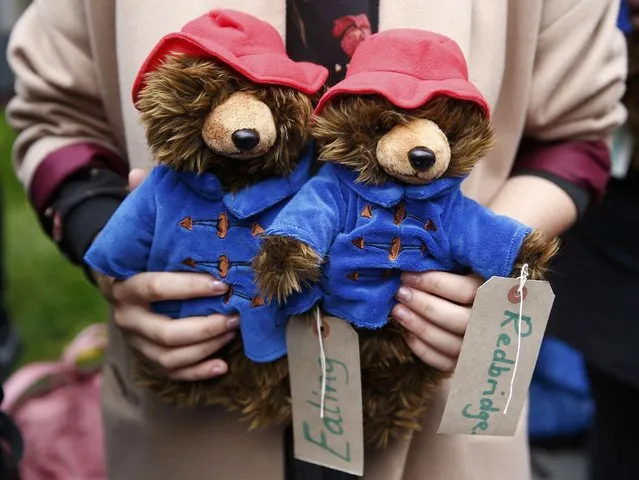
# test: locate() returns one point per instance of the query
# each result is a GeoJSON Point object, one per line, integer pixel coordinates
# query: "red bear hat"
{"type": "Point", "coordinates": [407, 67]}
{"type": "Point", "coordinates": [246, 44]}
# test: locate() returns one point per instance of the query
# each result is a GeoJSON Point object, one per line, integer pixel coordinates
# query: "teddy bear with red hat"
{"type": "Point", "coordinates": [397, 137]}
{"type": "Point", "coordinates": [227, 115]}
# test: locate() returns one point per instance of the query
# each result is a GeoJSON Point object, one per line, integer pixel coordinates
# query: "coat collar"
{"type": "Point", "coordinates": [257, 197]}
{"type": "Point", "coordinates": [391, 193]}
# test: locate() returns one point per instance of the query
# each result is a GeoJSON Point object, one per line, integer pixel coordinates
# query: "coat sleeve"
{"type": "Point", "coordinates": [57, 104]}
{"type": "Point", "coordinates": [315, 215]}
{"type": "Point", "coordinates": [579, 73]}
{"type": "Point", "coordinates": [122, 248]}
{"type": "Point", "coordinates": [483, 241]}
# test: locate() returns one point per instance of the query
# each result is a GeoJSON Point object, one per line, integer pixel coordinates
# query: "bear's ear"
{"type": "Point", "coordinates": [292, 112]}
{"type": "Point", "coordinates": [178, 85]}
{"type": "Point", "coordinates": [173, 105]}
{"type": "Point", "coordinates": [470, 134]}
{"type": "Point", "coordinates": [345, 132]}
{"type": "Point", "coordinates": [472, 141]}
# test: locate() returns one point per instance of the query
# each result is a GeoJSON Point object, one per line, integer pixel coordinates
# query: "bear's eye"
{"type": "Point", "coordinates": [380, 127]}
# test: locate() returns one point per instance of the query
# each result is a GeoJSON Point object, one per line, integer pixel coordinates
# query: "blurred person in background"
{"type": "Point", "coordinates": [553, 73]}
{"type": "Point", "coordinates": [596, 282]}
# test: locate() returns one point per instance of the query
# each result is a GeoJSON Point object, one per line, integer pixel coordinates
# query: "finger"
{"type": "Point", "coordinates": [155, 286]}
{"type": "Point", "coordinates": [136, 177]}
{"type": "Point", "coordinates": [429, 355]}
{"type": "Point", "coordinates": [167, 332]}
{"type": "Point", "coordinates": [447, 315]}
{"type": "Point", "coordinates": [202, 371]}
{"type": "Point", "coordinates": [456, 288]}
{"type": "Point", "coordinates": [429, 333]}
{"type": "Point", "coordinates": [171, 359]}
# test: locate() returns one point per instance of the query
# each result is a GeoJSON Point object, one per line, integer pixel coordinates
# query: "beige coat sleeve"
{"type": "Point", "coordinates": [579, 73]}
{"type": "Point", "coordinates": [57, 101]}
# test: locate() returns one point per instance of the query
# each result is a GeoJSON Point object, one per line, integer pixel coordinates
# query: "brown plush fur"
{"type": "Point", "coordinates": [537, 251]}
{"type": "Point", "coordinates": [183, 91]}
{"type": "Point", "coordinates": [348, 131]}
{"type": "Point", "coordinates": [174, 105]}
{"type": "Point", "coordinates": [396, 386]}
{"type": "Point", "coordinates": [297, 261]}
{"type": "Point", "coordinates": [258, 392]}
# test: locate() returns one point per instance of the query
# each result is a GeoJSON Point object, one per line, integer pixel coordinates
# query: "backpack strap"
{"type": "Point", "coordinates": [29, 381]}
{"type": "Point", "coordinates": [84, 355]}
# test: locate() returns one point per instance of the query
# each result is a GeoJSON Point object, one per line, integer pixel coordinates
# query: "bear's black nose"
{"type": "Point", "coordinates": [421, 158]}
{"type": "Point", "coordinates": [246, 139]}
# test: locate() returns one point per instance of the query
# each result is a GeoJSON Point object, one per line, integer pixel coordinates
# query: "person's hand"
{"type": "Point", "coordinates": [434, 308]}
{"type": "Point", "coordinates": [180, 348]}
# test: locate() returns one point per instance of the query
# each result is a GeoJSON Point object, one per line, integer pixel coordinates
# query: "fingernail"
{"type": "Point", "coordinates": [217, 368]}
{"type": "Point", "coordinates": [410, 278]}
{"type": "Point", "coordinates": [228, 336]}
{"type": "Point", "coordinates": [401, 314]}
{"type": "Point", "coordinates": [233, 321]}
{"type": "Point", "coordinates": [403, 293]}
{"type": "Point", "coordinates": [216, 284]}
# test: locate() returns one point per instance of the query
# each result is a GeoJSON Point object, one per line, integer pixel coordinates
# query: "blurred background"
{"type": "Point", "coordinates": [47, 299]}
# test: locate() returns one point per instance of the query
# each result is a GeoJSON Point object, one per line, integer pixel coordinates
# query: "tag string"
{"type": "Point", "coordinates": [318, 318]}
{"type": "Point", "coordinates": [523, 276]}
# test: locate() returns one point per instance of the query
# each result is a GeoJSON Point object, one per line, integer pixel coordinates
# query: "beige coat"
{"type": "Point", "coordinates": [550, 69]}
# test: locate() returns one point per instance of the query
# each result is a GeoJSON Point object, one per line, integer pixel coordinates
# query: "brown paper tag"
{"type": "Point", "coordinates": [481, 384]}
{"type": "Point", "coordinates": [337, 440]}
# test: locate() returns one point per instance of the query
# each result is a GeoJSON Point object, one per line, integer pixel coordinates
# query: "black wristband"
{"type": "Point", "coordinates": [83, 223]}
{"type": "Point", "coordinates": [81, 209]}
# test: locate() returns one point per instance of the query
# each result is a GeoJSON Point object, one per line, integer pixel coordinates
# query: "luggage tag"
{"type": "Point", "coordinates": [498, 356]}
{"type": "Point", "coordinates": [326, 391]}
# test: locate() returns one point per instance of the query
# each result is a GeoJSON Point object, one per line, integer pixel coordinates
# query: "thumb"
{"type": "Point", "coordinates": [136, 176]}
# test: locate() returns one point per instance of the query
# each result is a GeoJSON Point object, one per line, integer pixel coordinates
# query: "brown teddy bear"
{"type": "Point", "coordinates": [398, 135]}
{"type": "Point", "coordinates": [227, 117]}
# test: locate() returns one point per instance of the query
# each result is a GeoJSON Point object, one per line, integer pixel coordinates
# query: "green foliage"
{"type": "Point", "coordinates": [49, 299]}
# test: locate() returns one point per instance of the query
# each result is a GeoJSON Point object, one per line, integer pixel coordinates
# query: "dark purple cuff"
{"type": "Point", "coordinates": [63, 163]}
{"type": "Point", "coordinates": [585, 164]}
